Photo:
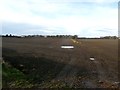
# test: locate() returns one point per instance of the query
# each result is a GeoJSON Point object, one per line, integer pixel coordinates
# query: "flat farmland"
{"type": "Point", "coordinates": [44, 64]}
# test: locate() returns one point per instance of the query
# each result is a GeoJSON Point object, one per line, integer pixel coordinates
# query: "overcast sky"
{"type": "Point", "coordinates": [91, 18]}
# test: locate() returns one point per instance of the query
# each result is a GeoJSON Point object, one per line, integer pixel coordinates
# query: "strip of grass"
{"type": "Point", "coordinates": [12, 77]}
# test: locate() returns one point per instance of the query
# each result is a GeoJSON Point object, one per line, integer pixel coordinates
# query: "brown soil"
{"type": "Point", "coordinates": [79, 70]}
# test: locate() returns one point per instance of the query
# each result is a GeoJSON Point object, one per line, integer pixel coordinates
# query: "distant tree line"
{"type": "Point", "coordinates": [44, 36]}
{"type": "Point", "coordinates": [109, 37]}
{"type": "Point", "coordinates": [105, 37]}
{"type": "Point", "coordinates": [59, 36]}
{"type": "Point", "coordinates": [10, 35]}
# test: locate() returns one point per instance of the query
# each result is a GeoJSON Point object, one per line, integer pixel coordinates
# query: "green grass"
{"type": "Point", "coordinates": [12, 77]}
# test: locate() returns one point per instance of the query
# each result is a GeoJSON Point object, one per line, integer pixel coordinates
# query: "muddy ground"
{"type": "Point", "coordinates": [76, 69]}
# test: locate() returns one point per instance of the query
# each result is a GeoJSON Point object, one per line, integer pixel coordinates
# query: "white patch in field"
{"type": "Point", "coordinates": [92, 58]}
{"type": "Point", "coordinates": [116, 82]}
{"type": "Point", "coordinates": [69, 47]}
{"type": "Point", "coordinates": [21, 65]}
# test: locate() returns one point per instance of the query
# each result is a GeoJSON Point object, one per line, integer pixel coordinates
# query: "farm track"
{"type": "Point", "coordinates": [68, 73]}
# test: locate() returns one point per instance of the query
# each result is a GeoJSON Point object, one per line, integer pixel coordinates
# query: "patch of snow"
{"type": "Point", "coordinates": [92, 58]}
{"type": "Point", "coordinates": [71, 47]}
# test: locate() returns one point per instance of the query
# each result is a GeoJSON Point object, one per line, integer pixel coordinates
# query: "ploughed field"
{"type": "Point", "coordinates": [42, 63]}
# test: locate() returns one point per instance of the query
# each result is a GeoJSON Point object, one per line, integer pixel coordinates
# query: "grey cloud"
{"type": "Point", "coordinates": [24, 28]}
{"type": "Point", "coordinates": [20, 28]}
